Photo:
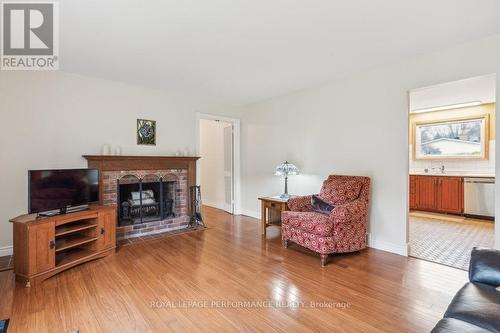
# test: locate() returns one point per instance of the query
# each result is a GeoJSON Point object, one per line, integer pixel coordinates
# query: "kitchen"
{"type": "Point", "coordinates": [452, 170]}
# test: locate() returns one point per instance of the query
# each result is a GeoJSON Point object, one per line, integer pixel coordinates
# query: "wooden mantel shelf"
{"type": "Point", "coordinates": [127, 157]}
{"type": "Point", "coordinates": [136, 162]}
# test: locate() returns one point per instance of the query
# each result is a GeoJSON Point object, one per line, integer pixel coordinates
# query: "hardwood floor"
{"type": "Point", "coordinates": [147, 287]}
{"type": "Point", "coordinates": [6, 263]}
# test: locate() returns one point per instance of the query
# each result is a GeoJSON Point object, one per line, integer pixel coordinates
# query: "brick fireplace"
{"type": "Point", "coordinates": [150, 193]}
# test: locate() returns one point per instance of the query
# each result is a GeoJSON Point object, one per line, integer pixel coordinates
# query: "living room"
{"type": "Point", "coordinates": [324, 86]}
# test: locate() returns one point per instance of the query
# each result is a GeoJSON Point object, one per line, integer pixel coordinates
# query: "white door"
{"type": "Point", "coordinates": [228, 169]}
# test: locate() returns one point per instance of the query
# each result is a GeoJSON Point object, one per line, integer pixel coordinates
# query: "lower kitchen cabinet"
{"type": "Point", "coordinates": [450, 195]}
{"type": "Point", "coordinates": [441, 194]}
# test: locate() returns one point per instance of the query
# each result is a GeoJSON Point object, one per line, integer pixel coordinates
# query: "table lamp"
{"type": "Point", "coordinates": [286, 169]}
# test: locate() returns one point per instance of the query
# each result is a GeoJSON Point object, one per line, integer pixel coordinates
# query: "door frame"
{"type": "Point", "coordinates": [409, 152]}
{"type": "Point", "coordinates": [236, 154]}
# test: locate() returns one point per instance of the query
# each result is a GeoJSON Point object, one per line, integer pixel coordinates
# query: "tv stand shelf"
{"type": "Point", "coordinates": [73, 241]}
{"type": "Point", "coordinates": [45, 246]}
{"type": "Point", "coordinates": [74, 255]}
{"type": "Point", "coordinates": [66, 230]}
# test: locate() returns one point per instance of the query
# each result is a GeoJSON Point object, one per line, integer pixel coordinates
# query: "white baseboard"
{"type": "Point", "coordinates": [6, 251]}
{"type": "Point", "coordinates": [401, 249]}
{"type": "Point", "coordinates": [250, 213]}
{"type": "Point", "coordinates": [212, 204]}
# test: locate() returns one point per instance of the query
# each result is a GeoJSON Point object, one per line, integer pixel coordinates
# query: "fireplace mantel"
{"type": "Point", "coordinates": [126, 163]}
{"type": "Point", "coordinates": [134, 162]}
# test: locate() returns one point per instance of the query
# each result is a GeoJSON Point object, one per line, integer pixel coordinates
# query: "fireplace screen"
{"type": "Point", "coordinates": [145, 200]}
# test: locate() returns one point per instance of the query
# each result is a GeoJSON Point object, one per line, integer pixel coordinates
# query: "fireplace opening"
{"type": "Point", "coordinates": [146, 199]}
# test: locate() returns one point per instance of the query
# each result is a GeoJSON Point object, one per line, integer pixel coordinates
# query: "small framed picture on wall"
{"type": "Point", "coordinates": [146, 132]}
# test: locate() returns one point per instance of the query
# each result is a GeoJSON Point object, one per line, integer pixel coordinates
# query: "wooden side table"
{"type": "Point", "coordinates": [271, 208]}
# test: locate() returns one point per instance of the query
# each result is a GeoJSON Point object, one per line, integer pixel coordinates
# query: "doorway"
{"type": "Point", "coordinates": [452, 170]}
{"type": "Point", "coordinates": [218, 166]}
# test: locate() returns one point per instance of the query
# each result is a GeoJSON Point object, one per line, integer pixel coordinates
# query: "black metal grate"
{"type": "Point", "coordinates": [145, 200]}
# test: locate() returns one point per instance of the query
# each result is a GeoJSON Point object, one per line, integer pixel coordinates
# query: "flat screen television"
{"type": "Point", "coordinates": [62, 189]}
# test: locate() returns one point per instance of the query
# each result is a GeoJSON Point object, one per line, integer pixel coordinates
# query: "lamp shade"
{"type": "Point", "coordinates": [286, 169]}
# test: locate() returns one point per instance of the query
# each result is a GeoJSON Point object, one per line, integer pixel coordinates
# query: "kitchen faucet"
{"type": "Point", "coordinates": [441, 168]}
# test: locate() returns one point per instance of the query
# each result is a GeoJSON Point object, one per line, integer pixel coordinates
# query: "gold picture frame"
{"type": "Point", "coordinates": [146, 132]}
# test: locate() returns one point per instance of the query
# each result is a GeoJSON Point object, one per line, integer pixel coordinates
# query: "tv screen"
{"type": "Point", "coordinates": [61, 189]}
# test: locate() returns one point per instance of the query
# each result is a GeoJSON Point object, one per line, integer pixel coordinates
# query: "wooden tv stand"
{"type": "Point", "coordinates": [45, 246]}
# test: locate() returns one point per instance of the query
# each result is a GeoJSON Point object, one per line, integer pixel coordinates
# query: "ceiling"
{"type": "Point", "coordinates": [238, 52]}
{"type": "Point", "coordinates": [480, 89]}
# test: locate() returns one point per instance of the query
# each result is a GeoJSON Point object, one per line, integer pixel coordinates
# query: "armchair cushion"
{"type": "Point", "coordinates": [311, 222]}
{"type": "Point", "coordinates": [450, 325]}
{"type": "Point", "coordinates": [477, 304]}
{"type": "Point", "coordinates": [340, 190]}
{"type": "Point", "coordinates": [351, 211]}
{"type": "Point", "coordinates": [485, 266]}
{"type": "Point", "coordinates": [320, 206]}
{"type": "Point", "coordinates": [300, 203]}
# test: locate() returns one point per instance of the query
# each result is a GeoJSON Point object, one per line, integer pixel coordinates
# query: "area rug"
{"type": "Point", "coordinates": [448, 242]}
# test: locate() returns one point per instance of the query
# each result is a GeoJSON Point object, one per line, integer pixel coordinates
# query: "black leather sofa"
{"type": "Point", "coordinates": [476, 307]}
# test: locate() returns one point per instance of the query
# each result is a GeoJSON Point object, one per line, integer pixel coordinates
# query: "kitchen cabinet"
{"type": "Point", "coordinates": [426, 193]}
{"type": "Point", "coordinates": [441, 194]}
{"type": "Point", "coordinates": [450, 195]}
{"type": "Point", "coordinates": [413, 200]}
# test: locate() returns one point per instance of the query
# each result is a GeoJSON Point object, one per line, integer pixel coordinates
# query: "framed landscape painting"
{"type": "Point", "coordinates": [452, 139]}
{"type": "Point", "coordinates": [146, 132]}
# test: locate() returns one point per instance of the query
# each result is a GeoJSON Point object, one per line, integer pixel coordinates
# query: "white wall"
{"type": "Point", "coordinates": [51, 119]}
{"type": "Point", "coordinates": [357, 126]}
{"type": "Point", "coordinates": [486, 166]}
{"type": "Point", "coordinates": [211, 163]}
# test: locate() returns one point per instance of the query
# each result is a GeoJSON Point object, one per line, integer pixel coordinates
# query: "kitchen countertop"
{"type": "Point", "coordinates": [453, 174]}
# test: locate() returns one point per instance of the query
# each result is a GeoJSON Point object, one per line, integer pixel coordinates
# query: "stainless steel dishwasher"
{"type": "Point", "coordinates": [479, 197]}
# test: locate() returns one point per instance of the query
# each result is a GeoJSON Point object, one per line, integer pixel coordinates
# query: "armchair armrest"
{"type": "Point", "coordinates": [485, 266]}
{"type": "Point", "coordinates": [350, 211]}
{"type": "Point", "coordinates": [300, 204]}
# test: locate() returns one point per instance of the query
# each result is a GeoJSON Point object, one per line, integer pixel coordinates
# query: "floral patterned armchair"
{"type": "Point", "coordinates": [343, 230]}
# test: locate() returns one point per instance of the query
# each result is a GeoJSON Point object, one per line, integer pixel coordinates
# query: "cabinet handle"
{"type": "Point", "coordinates": [52, 244]}
{"type": "Point", "coordinates": [102, 231]}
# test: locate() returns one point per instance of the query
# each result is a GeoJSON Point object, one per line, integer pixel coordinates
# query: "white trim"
{"type": "Point", "coordinates": [497, 166]}
{"type": "Point", "coordinates": [212, 204]}
{"type": "Point", "coordinates": [401, 249]}
{"type": "Point", "coordinates": [6, 251]}
{"type": "Point", "coordinates": [373, 243]}
{"type": "Point", "coordinates": [237, 153]}
{"type": "Point", "coordinates": [496, 153]}
{"type": "Point", "coordinates": [255, 215]}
